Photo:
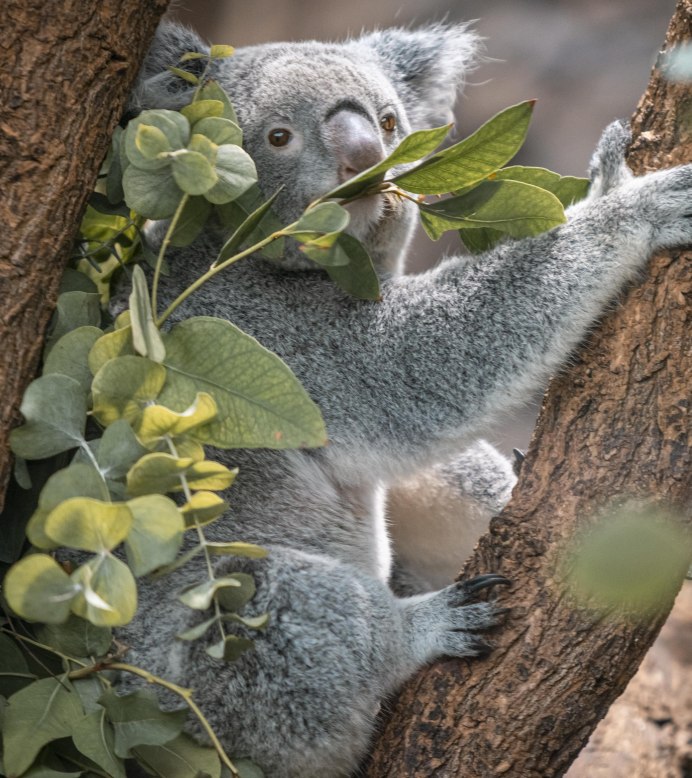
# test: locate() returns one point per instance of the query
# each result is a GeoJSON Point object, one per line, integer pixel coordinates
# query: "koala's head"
{"type": "Point", "coordinates": [315, 114]}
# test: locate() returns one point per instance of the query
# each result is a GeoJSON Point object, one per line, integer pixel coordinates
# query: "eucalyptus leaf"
{"type": "Point", "coordinates": [202, 109]}
{"type": "Point", "coordinates": [191, 221]}
{"type": "Point", "coordinates": [260, 402]}
{"type": "Point", "coordinates": [118, 449]}
{"type": "Point", "coordinates": [200, 596]}
{"type": "Point", "coordinates": [123, 386]}
{"type": "Point", "coordinates": [322, 218]}
{"type": "Point", "coordinates": [113, 344]}
{"type": "Point", "coordinates": [94, 736]}
{"type": "Point", "coordinates": [191, 78]}
{"type": "Point", "coordinates": [236, 597]}
{"type": "Point", "coordinates": [567, 189]}
{"type": "Point", "coordinates": [109, 592]}
{"type": "Point", "coordinates": [474, 158]}
{"type": "Point", "coordinates": [74, 281]}
{"type": "Point", "coordinates": [180, 758]}
{"type": "Point", "coordinates": [12, 661]}
{"type": "Point", "coordinates": [203, 508]}
{"type": "Point", "coordinates": [167, 131]}
{"type": "Point", "coordinates": [249, 226]}
{"type": "Point", "coordinates": [76, 637]}
{"type": "Point", "coordinates": [88, 524]}
{"type": "Point", "coordinates": [37, 714]}
{"type": "Point", "coordinates": [158, 421]}
{"type": "Point", "coordinates": [156, 533]}
{"type": "Point", "coordinates": [236, 173]}
{"type": "Point", "coordinates": [146, 337]}
{"type": "Point", "coordinates": [157, 472]}
{"type": "Point", "coordinates": [54, 407]}
{"type": "Point", "coordinates": [235, 548]}
{"type": "Point", "coordinates": [230, 648]}
{"type": "Point", "coordinates": [247, 769]}
{"type": "Point", "coordinates": [151, 142]}
{"type": "Point", "coordinates": [212, 91]}
{"type": "Point", "coordinates": [137, 720]}
{"type": "Point", "coordinates": [153, 194]}
{"type": "Point", "coordinates": [220, 51]}
{"type": "Point", "coordinates": [73, 310]}
{"type": "Point", "coordinates": [358, 278]}
{"type": "Point", "coordinates": [193, 172]}
{"type": "Point", "coordinates": [220, 131]}
{"type": "Point", "coordinates": [70, 355]}
{"type": "Point", "coordinates": [196, 632]}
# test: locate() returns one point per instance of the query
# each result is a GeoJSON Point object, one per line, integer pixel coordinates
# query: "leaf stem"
{"type": "Point", "coordinates": [164, 247]}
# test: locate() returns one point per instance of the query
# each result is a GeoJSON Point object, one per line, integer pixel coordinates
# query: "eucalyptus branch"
{"type": "Point", "coordinates": [162, 250]}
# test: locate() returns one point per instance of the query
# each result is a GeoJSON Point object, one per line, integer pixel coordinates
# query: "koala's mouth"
{"type": "Point", "coordinates": [368, 212]}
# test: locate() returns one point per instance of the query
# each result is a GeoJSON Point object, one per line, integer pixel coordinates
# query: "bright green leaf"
{"type": "Point", "coordinates": [138, 720]}
{"type": "Point", "coordinates": [567, 189]}
{"type": "Point", "coordinates": [124, 386]}
{"type": "Point", "coordinates": [156, 533]}
{"type": "Point", "coordinates": [109, 592]}
{"type": "Point", "coordinates": [88, 524]}
{"type": "Point", "coordinates": [93, 735]}
{"type": "Point", "coordinates": [146, 337]}
{"type": "Point", "coordinates": [192, 55]}
{"type": "Point", "coordinates": [70, 355]}
{"type": "Point", "coordinates": [260, 402]}
{"type": "Point", "coordinates": [202, 109]}
{"type": "Point", "coordinates": [203, 508]}
{"type": "Point", "coordinates": [54, 407]}
{"type": "Point", "coordinates": [219, 51]}
{"type": "Point", "coordinates": [235, 548]}
{"type": "Point", "coordinates": [191, 78]}
{"type": "Point", "coordinates": [38, 589]}
{"type": "Point", "coordinates": [157, 472]}
{"type": "Point", "coordinates": [111, 345]}
{"type": "Point", "coordinates": [327, 251]}
{"type": "Point", "coordinates": [151, 142]}
{"type": "Point", "coordinates": [158, 421]}
{"type": "Point", "coordinates": [37, 714]}
{"type": "Point", "coordinates": [474, 158]}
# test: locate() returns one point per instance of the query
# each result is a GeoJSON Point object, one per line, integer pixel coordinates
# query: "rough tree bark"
{"type": "Point", "coordinates": [66, 68]}
{"type": "Point", "coordinates": [617, 422]}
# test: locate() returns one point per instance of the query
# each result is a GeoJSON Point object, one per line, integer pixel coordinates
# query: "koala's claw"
{"type": "Point", "coordinates": [480, 582]}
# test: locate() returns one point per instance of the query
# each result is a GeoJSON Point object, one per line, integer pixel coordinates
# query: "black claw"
{"type": "Point", "coordinates": [483, 582]}
{"type": "Point", "coordinates": [480, 648]}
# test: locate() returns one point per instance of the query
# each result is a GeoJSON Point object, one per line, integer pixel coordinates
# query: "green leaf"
{"type": "Point", "coordinates": [191, 78]}
{"type": "Point", "coordinates": [202, 109]}
{"type": "Point", "coordinates": [219, 131]}
{"type": "Point", "coordinates": [358, 278]}
{"type": "Point", "coordinates": [236, 174]}
{"type": "Point", "coordinates": [74, 309]}
{"type": "Point", "coordinates": [111, 345]}
{"type": "Point", "coordinates": [233, 214]}
{"type": "Point", "coordinates": [326, 251]}
{"type": "Point", "coordinates": [151, 142]}
{"type": "Point", "coordinates": [230, 648]}
{"type": "Point", "coordinates": [412, 148]}
{"type": "Point", "coordinates": [12, 661]}
{"type": "Point", "coordinates": [109, 592]}
{"type": "Point", "coordinates": [567, 189]}
{"type": "Point", "coordinates": [235, 548]}
{"type": "Point", "coordinates": [54, 407]}
{"type": "Point", "coordinates": [474, 158]}
{"type": "Point", "coordinates": [325, 217]}
{"type": "Point", "coordinates": [203, 508]}
{"type": "Point", "coordinates": [191, 221]}
{"type": "Point", "coordinates": [180, 758]}
{"type": "Point", "coordinates": [212, 91]}
{"type": "Point", "coordinates": [158, 421]}
{"type": "Point", "coordinates": [118, 449]}
{"type": "Point", "coordinates": [74, 281]}
{"type": "Point", "coordinates": [88, 524]}
{"type": "Point", "coordinates": [37, 714]}
{"type": "Point", "coordinates": [199, 596]}
{"type": "Point", "coordinates": [70, 355]}
{"type": "Point", "coordinates": [517, 209]}
{"type": "Point", "coordinates": [234, 598]}
{"type": "Point", "coordinates": [151, 135]}
{"type": "Point", "coordinates": [76, 637]}
{"type": "Point", "coordinates": [124, 386]}
{"type": "Point", "coordinates": [77, 480]}
{"type": "Point", "coordinates": [218, 51]}
{"type": "Point", "coordinates": [247, 769]}
{"type": "Point", "coordinates": [192, 55]}
{"type": "Point", "coordinates": [114, 188]}
{"type": "Point", "coordinates": [196, 632]}
{"type": "Point", "coordinates": [93, 735]}
{"type": "Point", "coordinates": [138, 720]}
{"type": "Point", "coordinates": [146, 337]}
{"type": "Point", "coordinates": [156, 533]}
{"type": "Point", "coordinates": [246, 228]}
{"type": "Point", "coordinates": [260, 402]}
{"type": "Point", "coordinates": [157, 472]}
{"type": "Point", "coordinates": [153, 194]}
{"type": "Point", "coordinates": [193, 172]}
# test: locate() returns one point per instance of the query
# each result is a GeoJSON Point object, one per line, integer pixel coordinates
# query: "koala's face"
{"type": "Point", "coordinates": [313, 116]}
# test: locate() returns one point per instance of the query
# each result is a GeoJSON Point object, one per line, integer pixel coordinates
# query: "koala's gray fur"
{"type": "Point", "coordinates": [403, 384]}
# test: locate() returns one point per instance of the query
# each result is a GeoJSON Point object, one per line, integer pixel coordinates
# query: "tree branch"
{"type": "Point", "coordinates": [616, 423]}
{"type": "Point", "coordinates": [66, 69]}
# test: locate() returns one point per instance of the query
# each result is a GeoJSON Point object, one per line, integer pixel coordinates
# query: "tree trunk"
{"type": "Point", "coordinates": [66, 68]}
{"type": "Point", "coordinates": [615, 423]}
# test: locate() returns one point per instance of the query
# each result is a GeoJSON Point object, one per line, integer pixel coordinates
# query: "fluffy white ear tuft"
{"type": "Point", "coordinates": [428, 66]}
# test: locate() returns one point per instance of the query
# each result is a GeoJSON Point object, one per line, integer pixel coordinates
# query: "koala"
{"type": "Point", "coordinates": [405, 385]}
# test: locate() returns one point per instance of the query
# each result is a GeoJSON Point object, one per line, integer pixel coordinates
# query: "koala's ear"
{"type": "Point", "coordinates": [427, 66]}
{"type": "Point", "coordinates": [156, 86]}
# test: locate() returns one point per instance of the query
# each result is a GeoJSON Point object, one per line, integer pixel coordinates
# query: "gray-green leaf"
{"type": "Point", "coordinates": [145, 334]}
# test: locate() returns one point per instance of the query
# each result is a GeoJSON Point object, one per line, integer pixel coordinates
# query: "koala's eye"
{"type": "Point", "coordinates": [280, 136]}
{"type": "Point", "coordinates": [388, 122]}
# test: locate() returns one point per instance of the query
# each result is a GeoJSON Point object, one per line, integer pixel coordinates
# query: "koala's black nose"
{"type": "Point", "coordinates": [354, 142]}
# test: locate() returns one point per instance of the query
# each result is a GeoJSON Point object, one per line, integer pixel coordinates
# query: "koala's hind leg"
{"type": "Point", "coordinates": [437, 516]}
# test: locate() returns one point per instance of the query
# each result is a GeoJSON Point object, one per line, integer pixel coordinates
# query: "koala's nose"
{"type": "Point", "coordinates": [355, 143]}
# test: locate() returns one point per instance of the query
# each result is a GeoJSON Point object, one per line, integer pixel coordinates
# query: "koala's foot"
{"type": "Point", "coordinates": [608, 169]}
{"type": "Point", "coordinates": [444, 623]}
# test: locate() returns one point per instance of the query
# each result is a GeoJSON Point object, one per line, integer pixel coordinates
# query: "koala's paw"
{"type": "Point", "coordinates": [608, 169]}
{"type": "Point", "coordinates": [663, 200]}
{"type": "Point", "coordinates": [446, 623]}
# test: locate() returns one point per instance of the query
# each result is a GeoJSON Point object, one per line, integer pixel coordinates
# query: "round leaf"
{"type": "Point", "coordinates": [219, 131]}
{"type": "Point", "coordinates": [172, 126]}
{"type": "Point", "coordinates": [236, 174]}
{"type": "Point", "coordinates": [156, 472]}
{"type": "Point", "coordinates": [70, 355]}
{"type": "Point", "coordinates": [151, 142]}
{"type": "Point", "coordinates": [156, 533]}
{"type": "Point", "coordinates": [151, 193]}
{"type": "Point", "coordinates": [38, 589]}
{"type": "Point", "coordinates": [201, 109]}
{"type": "Point", "coordinates": [193, 172]}
{"type": "Point", "coordinates": [123, 386]}
{"type": "Point", "coordinates": [111, 345]}
{"type": "Point", "coordinates": [109, 592]}
{"type": "Point", "coordinates": [199, 596]}
{"type": "Point", "coordinates": [203, 508]}
{"type": "Point", "coordinates": [88, 524]}
{"type": "Point", "coordinates": [54, 407]}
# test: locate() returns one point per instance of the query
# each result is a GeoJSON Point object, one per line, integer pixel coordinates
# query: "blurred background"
{"type": "Point", "coordinates": [586, 61]}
